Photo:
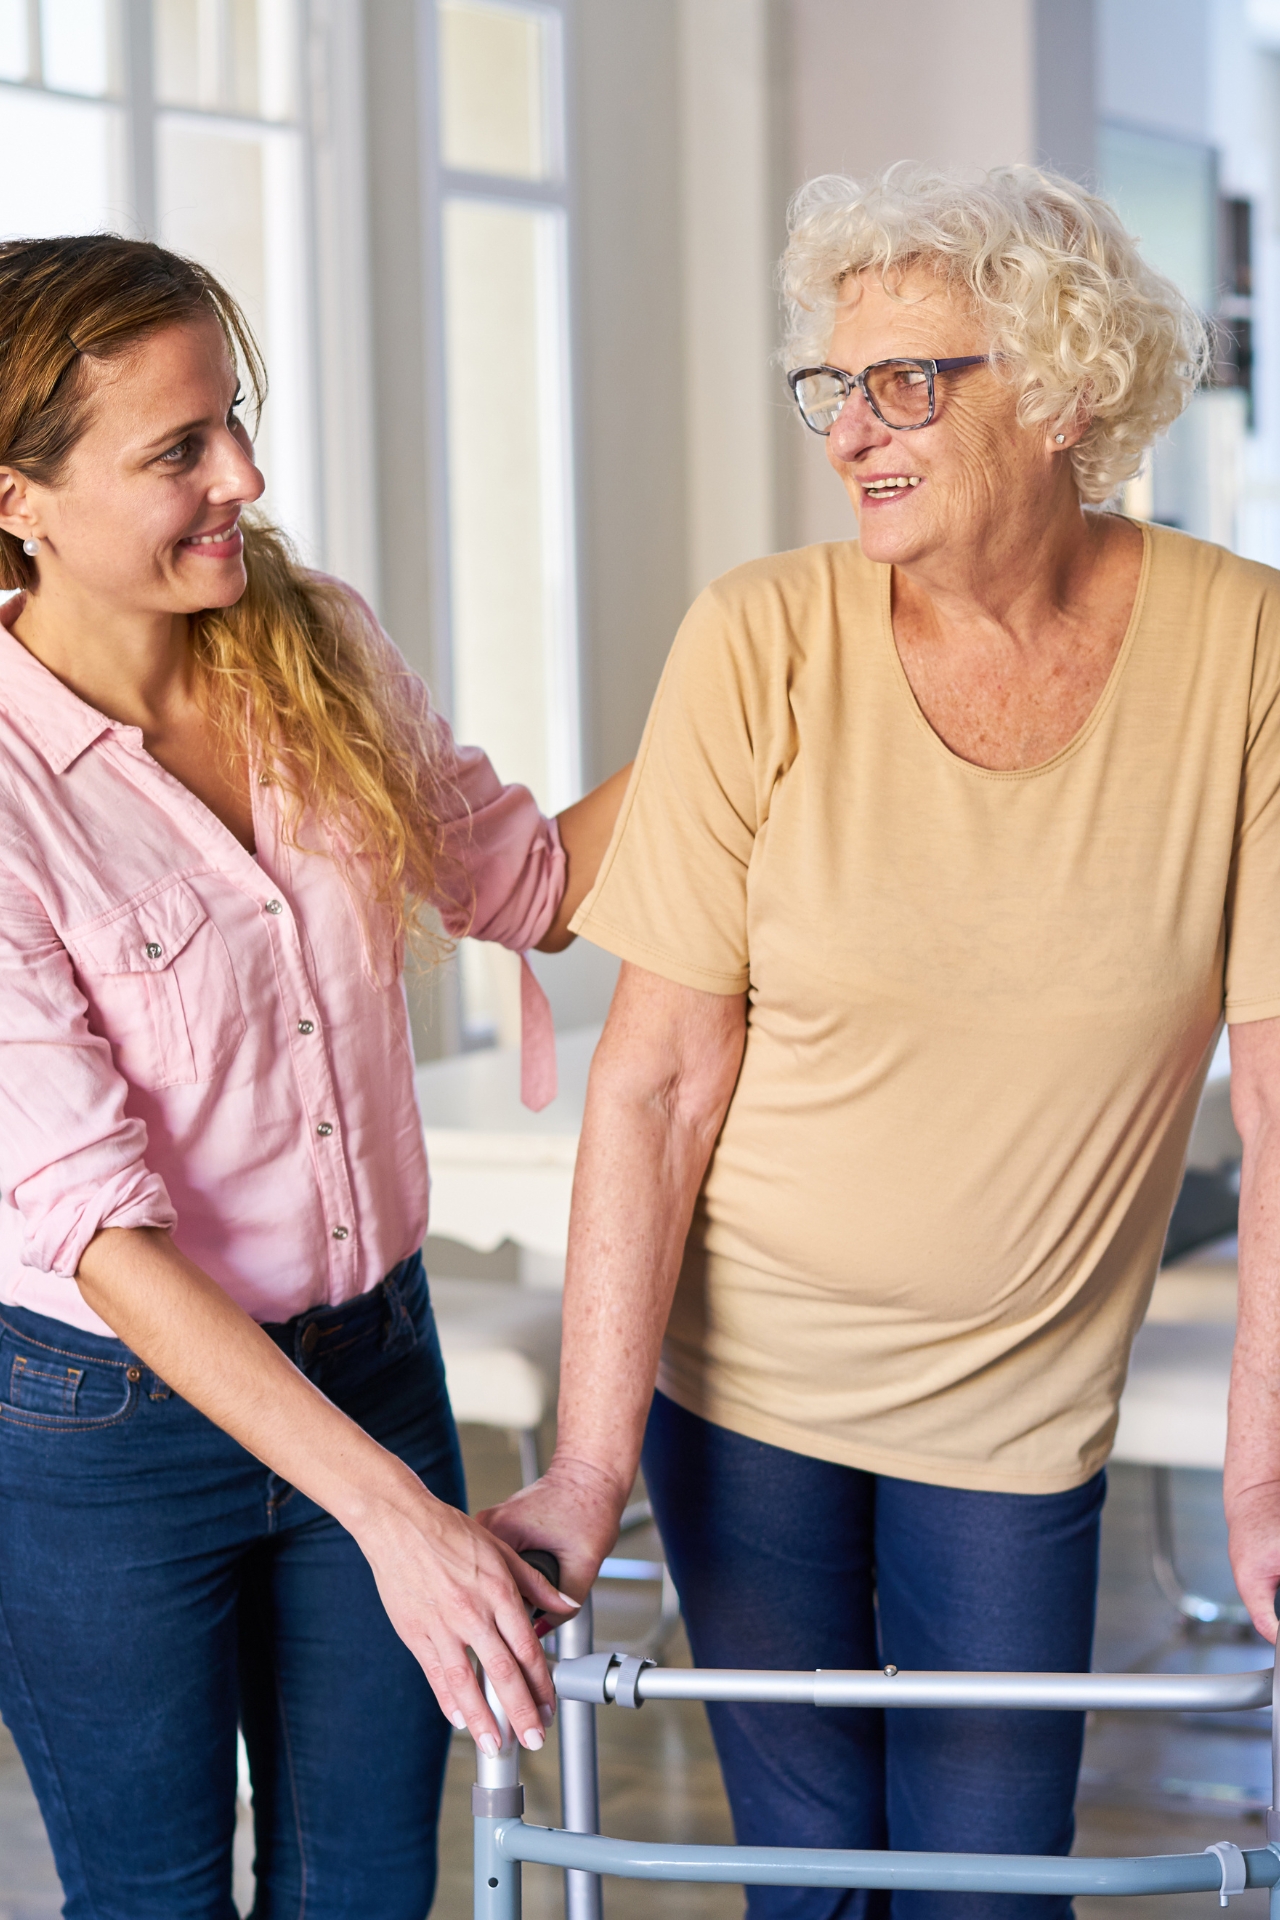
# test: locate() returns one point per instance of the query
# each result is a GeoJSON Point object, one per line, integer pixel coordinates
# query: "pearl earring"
{"type": "Point", "coordinates": [31, 547]}
{"type": "Point", "coordinates": [1058, 439]}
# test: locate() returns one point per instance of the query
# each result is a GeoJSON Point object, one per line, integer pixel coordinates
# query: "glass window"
{"type": "Point", "coordinates": [233, 56]}
{"type": "Point", "coordinates": [499, 105]}
{"type": "Point", "coordinates": [15, 58]}
{"type": "Point", "coordinates": [508, 505]}
{"type": "Point", "coordinates": [230, 191]}
{"type": "Point", "coordinates": [507, 439]}
{"type": "Point", "coordinates": [1165, 190]}
{"type": "Point", "coordinates": [60, 110]}
{"type": "Point", "coordinates": [224, 179]}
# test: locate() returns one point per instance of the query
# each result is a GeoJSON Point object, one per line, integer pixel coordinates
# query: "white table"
{"type": "Point", "coordinates": [499, 1172]}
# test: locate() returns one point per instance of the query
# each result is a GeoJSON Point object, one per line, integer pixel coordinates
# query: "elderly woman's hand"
{"type": "Point", "coordinates": [573, 1510]}
{"type": "Point", "coordinates": [1254, 1518]}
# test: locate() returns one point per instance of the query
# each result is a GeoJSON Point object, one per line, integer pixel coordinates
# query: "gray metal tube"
{"type": "Point", "coordinates": [1273, 1811]}
{"type": "Point", "coordinates": [497, 1877]}
{"type": "Point", "coordinates": [579, 1777]}
{"type": "Point", "coordinates": [1069, 1692]}
{"type": "Point", "coordinates": [944, 1872]}
{"type": "Point", "coordinates": [503, 1770]}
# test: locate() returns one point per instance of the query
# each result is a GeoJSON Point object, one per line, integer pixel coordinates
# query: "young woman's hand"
{"type": "Point", "coordinates": [448, 1585]}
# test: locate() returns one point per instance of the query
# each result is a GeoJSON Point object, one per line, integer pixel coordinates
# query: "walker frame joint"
{"type": "Point", "coordinates": [1235, 1873]}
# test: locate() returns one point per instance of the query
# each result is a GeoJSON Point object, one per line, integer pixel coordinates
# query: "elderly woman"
{"type": "Point", "coordinates": [945, 855]}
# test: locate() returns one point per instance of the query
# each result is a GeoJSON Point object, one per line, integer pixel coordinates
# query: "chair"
{"type": "Point", "coordinates": [1173, 1412]}
{"type": "Point", "coordinates": [501, 1345]}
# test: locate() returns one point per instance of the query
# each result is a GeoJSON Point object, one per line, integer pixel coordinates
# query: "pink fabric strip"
{"type": "Point", "coordinates": [538, 1077]}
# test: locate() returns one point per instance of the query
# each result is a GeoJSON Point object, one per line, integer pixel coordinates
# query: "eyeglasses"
{"type": "Point", "coordinates": [900, 393]}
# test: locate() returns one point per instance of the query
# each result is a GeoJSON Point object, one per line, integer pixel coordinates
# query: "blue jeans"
{"type": "Point", "coordinates": [157, 1584]}
{"type": "Point", "coordinates": [786, 1561]}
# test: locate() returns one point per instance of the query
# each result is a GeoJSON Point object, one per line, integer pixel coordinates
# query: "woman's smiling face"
{"type": "Point", "coordinates": [146, 515]}
{"type": "Point", "coordinates": [974, 472]}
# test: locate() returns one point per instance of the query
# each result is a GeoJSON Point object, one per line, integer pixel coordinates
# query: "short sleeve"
{"type": "Point", "coordinates": [671, 895]}
{"type": "Point", "coordinates": [1253, 898]}
{"type": "Point", "coordinates": [72, 1160]}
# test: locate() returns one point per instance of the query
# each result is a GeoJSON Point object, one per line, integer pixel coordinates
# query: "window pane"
{"type": "Point", "coordinates": [79, 46]}
{"type": "Point", "coordinates": [499, 104]}
{"type": "Point", "coordinates": [1165, 191]}
{"type": "Point", "coordinates": [232, 56]}
{"type": "Point", "coordinates": [15, 57]}
{"type": "Point", "coordinates": [510, 492]}
{"type": "Point", "coordinates": [79, 184]}
{"type": "Point", "coordinates": [232, 198]}
{"type": "Point", "coordinates": [177, 47]}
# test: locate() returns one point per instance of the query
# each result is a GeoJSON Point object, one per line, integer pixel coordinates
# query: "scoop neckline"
{"type": "Point", "coordinates": [1093, 718]}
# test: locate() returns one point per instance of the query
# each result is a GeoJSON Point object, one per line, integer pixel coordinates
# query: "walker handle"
{"type": "Point", "coordinates": [543, 1561]}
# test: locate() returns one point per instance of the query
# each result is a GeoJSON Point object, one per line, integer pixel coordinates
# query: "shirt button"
{"type": "Point", "coordinates": [274, 906]}
{"type": "Point", "coordinates": [153, 950]}
{"type": "Point", "coordinates": [306, 1026]}
{"type": "Point", "coordinates": [324, 1129]}
{"type": "Point", "coordinates": [340, 1233]}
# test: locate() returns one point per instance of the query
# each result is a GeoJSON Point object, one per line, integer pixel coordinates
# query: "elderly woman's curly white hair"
{"type": "Point", "coordinates": [1077, 319]}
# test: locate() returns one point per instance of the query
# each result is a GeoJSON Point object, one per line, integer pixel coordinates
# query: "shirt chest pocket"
{"type": "Point", "coordinates": [161, 987]}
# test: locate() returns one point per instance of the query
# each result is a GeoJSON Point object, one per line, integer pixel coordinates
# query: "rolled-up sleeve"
{"type": "Point", "coordinates": [72, 1161]}
{"type": "Point", "coordinates": [502, 865]}
{"type": "Point", "coordinates": [502, 871]}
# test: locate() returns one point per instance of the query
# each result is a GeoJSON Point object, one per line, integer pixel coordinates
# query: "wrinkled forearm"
{"type": "Point", "coordinates": [653, 1114]}
{"type": "Point", "coordinates": [1253, 1450]}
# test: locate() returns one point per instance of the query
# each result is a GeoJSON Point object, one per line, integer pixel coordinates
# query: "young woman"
{"type": "Point", "coordinates": [230, 1488]}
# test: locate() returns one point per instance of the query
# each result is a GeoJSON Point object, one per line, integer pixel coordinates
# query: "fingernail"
{"type": "Point", "coordinates": [459, 1720]}
{"type": "Point", "coordinates": [548, 1715]}
{"type": "Point", "coordinates": [488, 1746]}
{"type": "Point", "coordinates": [533, 1740]}
{"type": "Point", "coordinates": [569, 1600]}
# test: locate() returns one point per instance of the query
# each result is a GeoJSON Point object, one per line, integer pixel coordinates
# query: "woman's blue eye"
{"type": "Point", "coordinates": [174, 454]}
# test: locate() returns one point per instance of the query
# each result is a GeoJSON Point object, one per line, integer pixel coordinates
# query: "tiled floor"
{"type": "Point", "coordinates": [1157, 1784]}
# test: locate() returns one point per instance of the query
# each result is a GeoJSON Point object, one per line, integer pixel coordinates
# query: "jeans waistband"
{"type": "Point", "coordinates": [321, 1331]}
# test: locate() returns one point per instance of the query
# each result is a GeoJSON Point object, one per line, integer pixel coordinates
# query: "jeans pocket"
{"type": "Point", "coordinates": [59, 1389]}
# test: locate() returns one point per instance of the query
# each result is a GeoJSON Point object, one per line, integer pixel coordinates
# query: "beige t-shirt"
{"type": "Point", "coordinates": [980, 1007]}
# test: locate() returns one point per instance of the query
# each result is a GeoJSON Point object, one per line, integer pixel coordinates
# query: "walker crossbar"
{"type": "Point", "coordinates": [819, 1867]}
{"type": "Point", "coordinates": [595, 1679]}
{"type": "Point", "coordinates": [586, 1680]}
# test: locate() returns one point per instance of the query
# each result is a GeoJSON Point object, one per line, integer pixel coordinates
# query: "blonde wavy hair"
{"type": "Point", "coordinates": [331, 710]}
{"type": "Point", "coordinates": [1077, 320]}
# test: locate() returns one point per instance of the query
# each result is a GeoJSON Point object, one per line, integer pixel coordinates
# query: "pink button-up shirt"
{"type": "Point", "coordinates": [204, 1039]}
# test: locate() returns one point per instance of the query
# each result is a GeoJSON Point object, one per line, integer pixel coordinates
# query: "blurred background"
{"type": "Point", "coordinates": [512, 265]}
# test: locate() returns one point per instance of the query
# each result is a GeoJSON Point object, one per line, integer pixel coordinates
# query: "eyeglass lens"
{"type": "Point", "coordinates": [898, 389]}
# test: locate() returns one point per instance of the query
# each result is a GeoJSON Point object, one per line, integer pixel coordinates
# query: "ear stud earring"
{"type": "Point", "coordinates": [1058, 439]}
{"type": "Point", "coordinates": [31, 547]}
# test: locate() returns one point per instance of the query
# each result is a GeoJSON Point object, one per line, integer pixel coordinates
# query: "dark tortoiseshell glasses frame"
{"type": "Point", "coordinates": [848, 381]}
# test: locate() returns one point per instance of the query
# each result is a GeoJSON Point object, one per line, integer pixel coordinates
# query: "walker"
{"type": "Point", "coordinates": [585, 1680]}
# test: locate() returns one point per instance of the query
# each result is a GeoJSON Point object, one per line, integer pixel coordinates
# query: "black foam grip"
{"type": "Point", "coordinates": [543, 1561]}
